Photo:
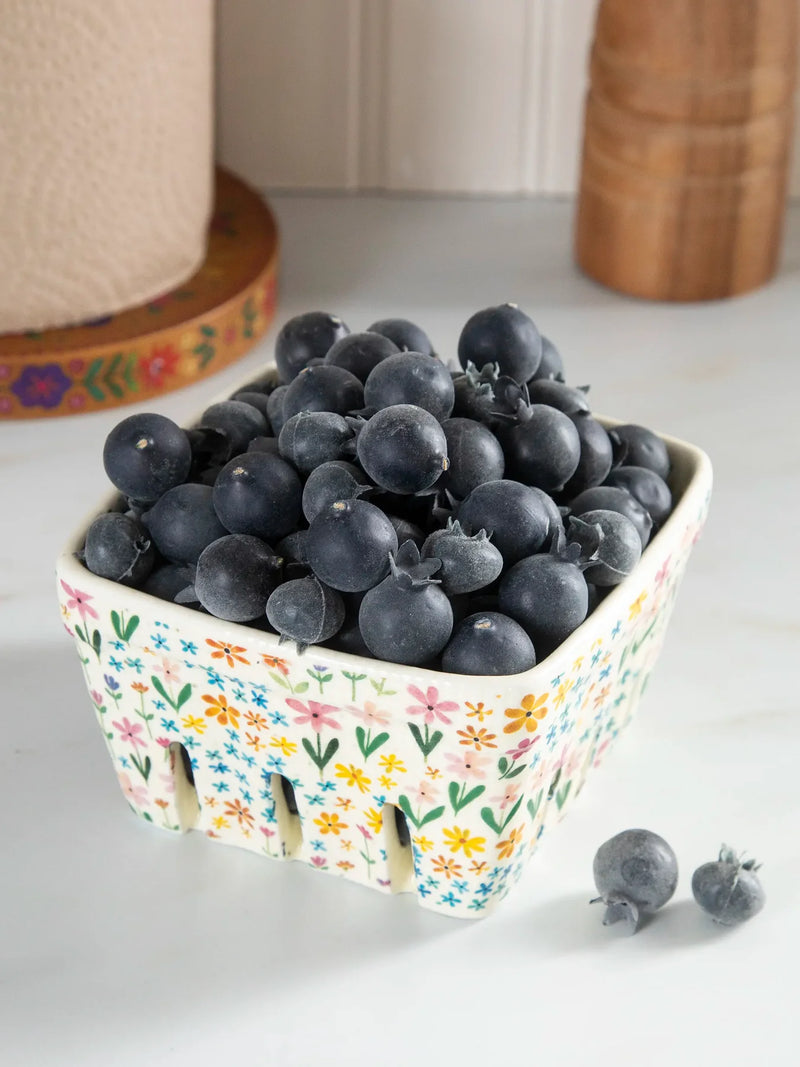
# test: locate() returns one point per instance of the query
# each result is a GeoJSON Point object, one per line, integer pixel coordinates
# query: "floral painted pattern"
{"type": "Point", "coordinates": [401, 779]}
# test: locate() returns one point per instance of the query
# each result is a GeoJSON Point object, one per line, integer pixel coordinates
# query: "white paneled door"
{"type": "Point", "coordinates": [445, 96]}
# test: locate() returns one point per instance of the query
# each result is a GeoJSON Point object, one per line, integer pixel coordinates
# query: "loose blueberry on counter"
{"type": "Point", "coordinates": [239, 421]}
{"type": "Point", "coordinates": [259, 494]}
{"type": "Point", "coordinates": [360, 353]}
{"type": "Point", "coordinates": [311, 438]}
{"type": "Point", "coordinates": [407, 618]}
{"type": "Point", "coordinates": [403, 449]}
{"type": "Point", "coordinates": [636, 873]}
{"type": "Point", "coordinates": [619, 549]}
{"type": "Point", "coordinates": [183, 522]}
{"type": "Point", "coordinates": [488, 643]}
{"type": "Point", "coordinates": [323, 388]}
{"type": "Point", "coordinates": [636, 446]}
{"type": "Point", "coordinates": [411, 378]}
{"type": "Point", "coordinates": [513, 515]}
{"type": "Point", "coordinates": [504, 335]}
{"type": "Point", "coordinates": [613, 498]}
{"type": "Point", "coordinates": [306, 611]}
{"type": "Point", "coordinates": [332, 481]}
{"type": "Point", "coordinates": [118, 547]}
{"type": "Point", "coordinates": [348, 545]}
{"type": "Point", "coordinates": [146, 454]}
{"type": "Point", "coordinates": [647, 487]}
{"type": "Point", "coordinates": [728, 889]}
{"type": "Point", "coordinates": [475, 455]}
{"type": "Point", "coordinates": [468, 562]}
{"type": "Point", "coordinates": [235, 576]}
{"type": "Point", "coordinates": [406, 335]}
{"type": "Point", "coordinates": [306, 337]}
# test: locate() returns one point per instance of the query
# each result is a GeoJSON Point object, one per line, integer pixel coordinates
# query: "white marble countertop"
{"type": "Point", "coordinates": [125, 946]}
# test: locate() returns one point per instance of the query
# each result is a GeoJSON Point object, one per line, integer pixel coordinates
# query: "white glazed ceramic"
{"type": "Point", "coordinates": [479, 766]}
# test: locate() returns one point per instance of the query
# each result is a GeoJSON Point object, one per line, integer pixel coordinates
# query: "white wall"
{"type": "Point", "coordinates": [464, 96]}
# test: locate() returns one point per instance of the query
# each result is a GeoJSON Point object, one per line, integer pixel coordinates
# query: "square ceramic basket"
{"type": "Point", "coordinates": [399, 778]}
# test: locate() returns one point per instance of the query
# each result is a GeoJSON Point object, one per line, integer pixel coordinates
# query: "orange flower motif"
{"type": "Point", "coordinates": [238, 811]}
{"type": "Point", "coordinates": [449, 868]}
{"type": "Point", "coordinates": [276, 662]}
{"type": "Point", "coordinates": [258, 722]}
{"type": "Point", "coordinates": [477, 866]}
{"type": "Point", "coordinates": [346, 865]}
{"type": "Point", "coordinates": [533, 709]}
{"type": "Point", "coordinates": [457, 839]}
{"type": "Point", "coordinates": [230, 653]}
{"type": "Point", "coordinates": [330, 824]}
{"type": "Point", "coordinates": [478, 711]}
{"type": "Point", "coordinates": [433, 772]}
{"type": "Point", "coordinates": [344, 802]}
{"type": "Point", "coordinates": [210, 801]}
{"type": "Point", "coordinates": [505, 849]}
{"type": "Point", "coordinates": [255, 742]}
{"type": "Point", "coordinates": [220, 710]}
{"type": "Point", "coordinates": [347, 844]}
{"type": "Point", "coordinates": [478, 738]}
{"type": "Point", "coordinates": [162, 803]}
{"type": "Point", "coordinates": [137, 687]}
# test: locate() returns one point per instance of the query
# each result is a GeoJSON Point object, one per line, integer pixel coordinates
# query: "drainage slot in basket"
{"type": "Point", "coordinates": [399, 855]}
{"type": "Point", "coordinates": [286, 812]}
{"type": "Point", "coordinates": [186, 802]}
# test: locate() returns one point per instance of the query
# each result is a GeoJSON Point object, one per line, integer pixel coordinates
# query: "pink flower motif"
{"type": "Point", "coordinates": [370, 714]}
{"type": "Point", "coordinates": [5, 403]}
{"type": "Point", "coordinates": [169, 669]}
{"type": "Point", "coordinates": [163, 741]}
{"type": "Point", "coordinates": [77, 400]}
{"type": "Point", "coordinates": [663, 571]}
{"type": "Point", "coordinates": [169, 783]}
{"type": "Point", "coordinates": [319, 861]}
{"type": "Point", "coordinates": [365, 832]}
{"type": "Point", "coordinates": [507, 798]}
{"type": "Point", "coordinates": [230, 335]}
{"type": "Point", "coordinates": [315, 715]}
{"type": "Point", "coordinates": [97, 697]}
{"type": "Point", "coordinates": [137, 794]}
{"type": "Point", "coordinates": [567, 761]}
{"type": "Point", "coordinates": [426, 793]}
{"type": "Point", "coordinates": [523, 748]}
{"type": "Point", "coordinates": [265, 830]}
{"type": "Point", "coordinates": [600, 751]}
{"type": "Point", "coordinates": [79, 600]}
{"type": "Point", "coordinates": [429, 704]}
{"type": "Point", "coordinates": [467, 764]}
{"type": "Point", "coordinates": [129, 731]}
{"type": "Point", "coordinates": [5, 371]}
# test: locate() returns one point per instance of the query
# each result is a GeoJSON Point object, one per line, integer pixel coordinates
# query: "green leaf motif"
{"type": "Point", "coordinates": [562, 794]}
{"type": "Point", "coordinates": [117, 624]}
{"type": "Point", "coordinates": [367, 745]}
{"type": "Point", "coordinates": [488, 817]}
{"type": "Point", "coordinates": [279, 679]}
{"type": "Point", "coordinates": [97, 642]}
{"type": "Point", "coordinates": [435, 813]}
{"type": "Point", "coordinates": [183, 696]}
{"type": "Point", "coordinates": [405, 806]}
{"type": "Point", "coordinates": [130, 629]}
{"type": "Point", "coordinates": [301, 687]}
{"type": "Point", "coordinates": [159, 687]}
{"type": "Point", "coordinates": [428, 743]}
{"type": "Point", "coordinates": [534, 804]}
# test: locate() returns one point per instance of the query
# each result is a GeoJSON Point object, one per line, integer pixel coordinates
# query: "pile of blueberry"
{"type": "Point", "coordinates": [371, 499]}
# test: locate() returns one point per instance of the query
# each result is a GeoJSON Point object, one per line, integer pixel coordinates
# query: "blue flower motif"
{"type": "Point", "coordinates": [124, 762]}
{"type": "Point", "coordinates": [115, 663]}
{"type": "Point", "coordinates": [169, 726]}
{"type": "Point", "coordinates": [159, 705]}
{"type": "Point", "coordinates": [240, 776]}
{"type": "Point", "coordinates": [268, 813]}
{"type": "Point", "coordinates": [584, 736]}
{"type": "Point", "coordinates": [318, 846]}
{"type": "Point", "coordinates": [135, 664]}
{"type": "Point", "coordinates": [221, 786]}
{"type": "Point", "coordinates": [423, 890]}
{"type": "Point", "coordinates": [189, 647]}
{"type": "Point", "coordinates": [432, 882]}
{"type": "Point", "coordinates": [564, 726]}
{"type": "Point", "coordinates": [328, 786]}
{"type": "Point", "coordinates": [232, 750]}
{"type": "Point", "coordinates": [462, 885]}
{"type": "Point", "coordinates": [277, 764]}
{"type": "Point", "coordinates": [247, 796]}
{"type": "Point", "coordinates": [238, 694]}
{"type": "Point", "coordinates": [596, 657]}
{"type": "Point", "coordinates": [159, 641]}
{"type": "Point", "coordinates": [619, 699]}
{"type": "Point", "coordinates": [380, 800]}
{"type": "Point", "coordinates": [315, 798]}
{"type": "Point", "coordinates": [214, 678]}
{"type": "Point", "coordinates": [537, 756]}
{"type": "Point", "coordinates": [477, 904]}
{"type": "Point", "coordinates": [605, 671]}
{"type": "Point", "coordinates": [450, 898]}
{"type": "Point", "coordinates": [267, 776]}
{"type": "Point", "coordinates": [617, 628]}
{"type": "Point", "coordinates": [557, 680]}
{"type": "Point", "coordinates": [219, 768]}
{"type": "Point", "coordinates": [250, 761]}
{"type": "Point", "coordinates": [258, 699]}
{"type": "Point", "coordinates": [190, 742]}
{"type": "Point", "coordinates": [485, 888]}
{"type": "Point", "coordinates": [278, 718]}
{"type": "Point", "coordinates": [111, 682]}
{"type": "Point", "coordinates": [163, 625]}
{"type": "Point", "coordinates": [496, 872]}
{"type": "Point", "coordinates": [213, 753]}
{"type": "Point", "coordinates": [232, 734]}
{"type": "Point", "coordinates": [118, 645]}
{"type": "Point", "coordinates": [550, 736]}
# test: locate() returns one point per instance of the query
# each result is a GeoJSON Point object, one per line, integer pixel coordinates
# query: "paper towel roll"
{"type": "Point", "coordinates": [105, 154]}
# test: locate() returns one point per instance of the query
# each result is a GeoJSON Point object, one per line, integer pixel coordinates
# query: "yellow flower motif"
{"type": "Point", "coordinates": [392, 764]}
{"type": "Point", "coordinates": [478, 866]}
{"type": "Point", "coordinates": [506, 848]}
{"type": "Point", "coordinates": [255, 742]}
{"type": "Point", "coordinates": [347, 844]}
{"type": "Point", "coordinates": [433, 772]}
{"type": "Point", "coordinates": [189, 722]}
{"type": "Point", "coordinates": [386, 782]}
{"type": "Point", "coordinates": [576, 666]}
{"type": "Point", "coordinates": [597, 643]}
{"type": "Point", "coordinates": [460, 839]}
{"type": "Point", "coordinates": [330, 824]}
{"type": "Point", "coordinates": [423, 843]}
{"type": "Point", "coordinates": [374, 820]}
{"type": "Point", "coordinates": [221, 822]}
{"type": "Point", "coordinates": [287, 747]}
{"type": "Point", "coordinates": [563, 690]}
{"type": "Point", "coordinates": [533, 708]}
{"type": "Point", "coordinates": [210, 801]}
{"type": "Point", "coordinates": [635, 608]}
{"type": "Point", "coordinates": [478, 711]}
{"type": "Point", "coordinates": [354, 776]}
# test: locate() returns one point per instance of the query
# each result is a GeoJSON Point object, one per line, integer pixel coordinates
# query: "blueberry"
{"type": "Point", "coordinates": [336, 480]}
{"type": "Point", "coordinates": [348, 545]}
{"type": "Point", "coordinates": [411, 378]}
{"type": "Point", "coordinates": [406, 618]}
{"type": "Point", "coordinates": [503, 335]}
{"type": "Point", "coordinates": [303, 338]}
{"type": "Point", "coordinates": [235, 576]}
{"type": "Point", "coordinates": [468, 563]}
{"type": "Point", "coordinates": [183, 522]}
{"type": "Point", "coordinates": [259, 494]}
{"type": "Point", "coordinates": [511, 513]}
{"type": "Point", "coordinates": [166, 581]}
{"type": "Point", "coordinates": [619, 549]}
{"type": "Point", "coordinates": [144, 455]}
{"type": "Point", "coordinates": [265, 444]}
{"type": "Point", "coordinates": [475, 456]}
{"type": "Point", "coordinates": [118, 547]}
{"type": "Point", "coordinates": [639, 447]}
{"type": "Point", "coordinates": [403, 449]}
{"type": "Point", "coordinates": [313, 437]}
{"type": "Point", "coordinates": [558, 395]}
{"type": "Point", "coordinates": [306, 611]}
{"type": "Point", "coordinates": [612, 498]}
{"type": "Point", "coordinates": [258, 401]}
{"type": "Point", "coordinates": [542, 447]}
{"type": "Point", "coordinates": [275, 409]}
{"type": "Point", "coordinates": [551, 365]}
{"type": "Point", "coordinates": [547, 594]}
{"type": "Point", "coordinates": [406, 335]}
{"type": "Point", "coordinates": [488, 643]}
{"type": "Point", "coordinates": [595, 458]}
{"type": "Point", "coordinates": [292, 548]}
{"type": "Point", "coordinates": [728, 889]}
{"type": "Point", "coordinates": [360, 353]}
{"type": "Point", "coordinates": [647, 487]}
{"type": "Point", "coordinates": [636, 873]}
{"type": "Point", "coordinates": [473, 393]}
{"type": "Point", "coordinates": [323, 388]}
{"type": "Point", "coordinates": [406, 531]}
{"type": "Point", "coordinates": [238, 421]}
